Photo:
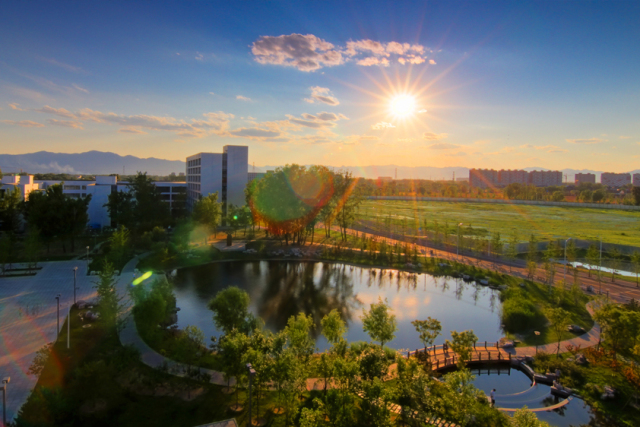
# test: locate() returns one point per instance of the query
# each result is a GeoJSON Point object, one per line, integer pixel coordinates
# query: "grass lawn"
{"type": "Point", "coordinates": [546, 222]}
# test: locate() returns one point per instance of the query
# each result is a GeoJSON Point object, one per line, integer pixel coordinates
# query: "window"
{"type": "Point", "coordinates": [72, 187]}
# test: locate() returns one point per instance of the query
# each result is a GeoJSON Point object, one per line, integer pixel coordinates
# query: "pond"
{"type": "Point", "coordinates": [514, 389]}
{"type": "Point", "coordinates": [281, 289]}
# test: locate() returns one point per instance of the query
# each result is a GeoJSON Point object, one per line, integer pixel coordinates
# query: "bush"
{"type": "Point", "coordinates": [519, 314]}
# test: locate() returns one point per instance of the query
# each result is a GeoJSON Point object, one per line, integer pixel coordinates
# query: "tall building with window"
{"type": "Point", "coordinates": [589, 178]}
{"type": "Point", "coordinates": [506, 177]}
{"type": "Point", "coordinates": [636, 179]}
{"type": "Point", "coordinates": [545, 178]}
{"type": "Point", "coordinates": [225, 173]}
{"type": "Point", "coordinates": [611, 179]}
{"type": "Point", "coordinates": [483, 178]}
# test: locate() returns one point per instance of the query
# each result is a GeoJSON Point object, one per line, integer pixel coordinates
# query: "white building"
{"type": "Point", "coordinates": [24, 183]}
{"type": "Point", "coordinates": [102, 187]}
{"type": "Point", "coordinates": [615, 180]}
{"type": "Point", "coordinates": [225, 173]}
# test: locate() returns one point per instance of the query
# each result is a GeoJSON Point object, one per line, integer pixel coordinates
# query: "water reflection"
{"type": "Point", "coordinates": [279, 290]}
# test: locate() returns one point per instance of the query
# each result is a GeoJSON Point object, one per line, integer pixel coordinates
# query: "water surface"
{"type": "Point", "coordinates": [280, 289]}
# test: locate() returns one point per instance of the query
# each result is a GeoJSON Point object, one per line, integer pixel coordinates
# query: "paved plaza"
{"type": "Point", "coordinates": [28, 318]}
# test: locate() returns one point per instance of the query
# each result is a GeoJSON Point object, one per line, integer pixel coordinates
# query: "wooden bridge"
{"type": "Point", "coordinates": [442, 357]}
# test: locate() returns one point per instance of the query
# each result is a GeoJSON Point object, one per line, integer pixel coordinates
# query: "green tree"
{"type": "Point", "coordinates": [333, 327]}
{"type": "Point", "coordinates": [523, 417]}
{"type": "Point", "coordinates": [6, 251]}
{"type": "Point", "coordinates": [121, 205]}
{"type": "Point", "coordinates": [557, 196]}
{"type": "Point", "coordinates": [190, 345]}
{"type": "Point", "coordinates": [635, 260]}
{"type": "Point", "coordinates": [512, 248]}
{"type": "Point", "coordinates": [119, 241]}
{"type": "Point", "coordinates": [428, 329]}
{"type": "Point", "coordinates": [298, 331]}
{"type": "Point", "coordinates": [593, 255]}
{"type": "Point", "coordinates": [462, 344]}
{"type": "Point", "coordinates": [615, 257]}
{"type": "Point", "coordinates": [32, 247]}
{"type": "Point", "coordinates": [208, 212]}
{"type": "Point", "coordinates": [598, 196]}
{"type": "Point", "coordinates": [496, 244]}
{"type": "Point", "coordinates": [347, 199]}
{"type": "Point", "coordinates": [379, 323]}
{"type": "Point", "coordinates": [532, 254]}
{"type": "Point", "coordinates": [233, 346]}
{"type": "Point", "coordinates": [230, 309]}
{"type": "Point", "coordinates": [636, 195]}
{"type": "Point", "coordinates": [149, 209]}
{"type": "Point", "coordinates": [109, 303]}
{"type": "Point", "coordinates": [559, 319]}
{"type": "Point", "coordinates": [10, 211]}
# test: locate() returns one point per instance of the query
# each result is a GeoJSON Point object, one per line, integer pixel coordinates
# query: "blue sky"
{"type": "Point", "coordinates": [486, 84]}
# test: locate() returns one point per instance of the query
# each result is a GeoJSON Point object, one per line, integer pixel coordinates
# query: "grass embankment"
{"type": "Point", "coordinates": [98, 382]}
{"type": "Point", "coordinates": [545, 222]}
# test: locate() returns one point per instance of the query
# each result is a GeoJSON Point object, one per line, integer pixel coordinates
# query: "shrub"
{"type": "Point", "coordinates": [519, 314]}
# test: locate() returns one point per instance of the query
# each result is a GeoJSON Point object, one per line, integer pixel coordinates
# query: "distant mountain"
{"type": "Point", "coordinates": [91, 162]}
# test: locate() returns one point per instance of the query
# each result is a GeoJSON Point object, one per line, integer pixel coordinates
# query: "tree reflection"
{"type": "Point", "coordinates": [311, 288]}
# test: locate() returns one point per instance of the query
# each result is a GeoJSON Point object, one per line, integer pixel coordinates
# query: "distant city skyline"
{"type": "Point", "coordinates": [440, 84]}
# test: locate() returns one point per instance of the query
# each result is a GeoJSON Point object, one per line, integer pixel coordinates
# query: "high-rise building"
{"type": "Point", "coordinates": [545, 178]}
{"type": "Point", "coordinates": [615, 180]}
{"type": "Point", "coordinates": [225, 173]}
{"type": "Point", "coordinates": [506, 177]}
{"type": "Point", "coordinates": [587, 178]}
{"type": "Point", "coordinates": [483, 178]}
{"type": "Point", "coordinates": [636, 179]}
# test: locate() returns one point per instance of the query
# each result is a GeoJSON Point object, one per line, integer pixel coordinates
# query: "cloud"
{"type": "Point", "coordinates": [15, 106]}
{"type": "Point", "coordinates": [304, 52]}
{"type": "Point", "coordinates": [211, 93]}
{"type": "Point", "coordinates": [243, 98]}
{"type": "Point", "coordinates": [624, 137]}
{"type": "Point", "coordinates": [310, 53]}
{"type": "Point", "coordinates": [199, 56]}
{"type": "Point", "coordinates": [63, 65]}
{"type": "Point", "coordinates": [65, 123]}
{"type": "Point", "coordinates": [422, 111]}
{"type": "Point", "coordinates": [586, 141]}
{"type": "Point", "coordinates": [310, 123]}
{"type": "Point", "coordinates": [80, 88]}
{"type": "Point", "coordinates": [382, 125]}
{"type": "Point", "coordinates": [60, 112]}
{"type": "Point", "coordinates": [548, 148]}
{"type": "Point", "coordinates": [430, 136]}
{"type": "Point", "coordinates": [135, 131]}
{"type": "Point", "coordinates": [255, 132]}
{"type": "Point", "coordinates": [318, 121]}
{"type": "Point", "coordinates": [443, 146]}
{"type": "Point", "coordinates": [331, 116]}
{"type": "Point", "coordinates": [322, 94]}
{"type": "Point", "coordinates": [23, 123]}
{"type": "Point", "coordinates": [432, 62]}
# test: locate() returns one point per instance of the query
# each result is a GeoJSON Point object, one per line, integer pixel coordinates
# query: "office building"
{"type": "Point", "coordinates": [225, 173]}
{"type": "Point", "coordinates": [587, 178]}
{"type": "Point", "coordinates": [615, 180]}
{"type": "Point", "coordinates": [24, 184]}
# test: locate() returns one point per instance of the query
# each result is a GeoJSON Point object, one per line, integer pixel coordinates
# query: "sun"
{"type": "Point", "coordinates": [403, 105]}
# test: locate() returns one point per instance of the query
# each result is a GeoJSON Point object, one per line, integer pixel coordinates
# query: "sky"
{"type": "Point", "coordinates": [354, 83]}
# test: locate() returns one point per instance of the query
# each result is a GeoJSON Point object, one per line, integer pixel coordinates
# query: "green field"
{"type": "Point", "coordinates": [546, 222]}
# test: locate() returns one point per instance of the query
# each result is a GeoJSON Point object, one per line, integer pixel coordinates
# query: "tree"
{"type": "Point", "coordinates": [532, 254]}
{"type": "Point", "coordinates": [32, 247]}
{"type": "Point", "coordinates": [615, 258]}
{"type": "Point", "coordinates": [512, 248]}
{"type": "Point", "coordinates": [559, 319]}
{"type": "Point", "coordinates": [121, 205]}
{"type": "Point", "coordinates": [119, 241]}
{"type": "Point", "coordinates": [233, 346]}
{"type": "Point", "coordinates": [6, 251]}
{"type": "Point", "coordinates": [231, 310]}
{"type": "Point", "coordinates": [593, 256]}
{"type": "Point", "coordinates": [298, 333]}
{"type": "Point", "coordinates": [462, 344]}
{"type": "Point", "coordinates": [598, 196]}
{"type": "Point", "coordinates": [109, 303]}
{"type": "Point", "coordinates": [190, 345]}
{"type": "Point", "coordinates": [10, 211]}
{"type": "Point", "coordinates": [428, 329]}
{"type": "Point", "coordinates": [635, 260]}
{"type": "Point", "coordinates": [523, 417]}
{"type": "Point", "coordinates": [636, 195]}
{"type": "Point", "coordinates": [149, 209]}
{"type": "Point", "coordinates": [347, 200]}
{"type": "Point", "coordinates": [557, 196]}
{"type": "Point", "coordinates": [208, 212]}
{"type": "Point", "coordinates": [333, 327]}
{"type": "Point", "coordinates": [378, 323]}
{"type": "Point", "coordinates": [496, 244]}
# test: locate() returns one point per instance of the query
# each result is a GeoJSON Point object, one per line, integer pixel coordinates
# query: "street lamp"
{"type": "Point", "coordinates": [537, 334]}
{"type": "Point", "coordinates": [75, 269]}
{"type": "Point", "coordinates": [87, 259]}
{"type": "Point", "coordinates": [252, 373]}
{"type": "Point", "coordinates": [58, 324]}
{"type": "Point", "coordinates": [564, 279]}
{"type": "Point", "coordinates": [458, 245]}
{"type": "Point", "coordinates": [5, 383]}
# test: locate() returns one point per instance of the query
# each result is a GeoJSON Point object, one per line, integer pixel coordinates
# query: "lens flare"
{"type": "Point", "coordinates": [403, 105]}
{"type": "Point", "coordinates": [142, 278]}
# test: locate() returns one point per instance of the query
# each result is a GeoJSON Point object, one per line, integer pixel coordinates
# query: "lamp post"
{"type": "Point", "coordinates": [87, 259]}
{"type": "Point", "coordinates": [458, 244]}
{"type": "Point", "coordinates": [252, 373]}
{"type": "Point", "coordinates": [58, 323]}
{"type": "Point", "coordinates": [68, 327]}
{"type": "Point", "coordinates": [600, 268]}
{"type": "Point", "coordinates": [75, 269]}
{"type": "Point", "coordinates": [5, 383]}
{"type": "Point", "coordinates": [537, 335]}
{"type": "Point", "coordinates": [564, 279]}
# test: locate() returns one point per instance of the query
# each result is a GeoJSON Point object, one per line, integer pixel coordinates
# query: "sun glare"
{"type": "Point", "coordinates": [403, 105]}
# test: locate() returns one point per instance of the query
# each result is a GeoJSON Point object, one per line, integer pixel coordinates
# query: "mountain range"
{"type": "Point", "coordinates": [103, 163]}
